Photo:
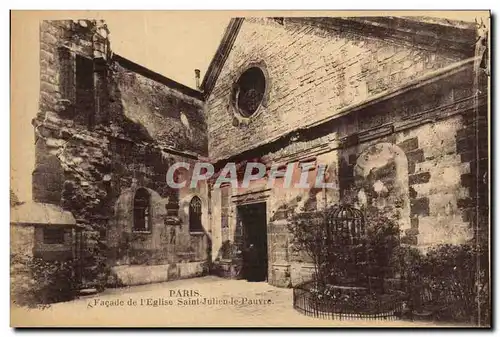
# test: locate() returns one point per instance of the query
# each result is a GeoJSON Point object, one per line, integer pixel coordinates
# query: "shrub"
{"type": "Point", "coordinates": [308, 235]}
{"type": "Point", "coordinates": [408, 262]}
{"type": "Point", "coordinates": [457, 281]}
{"type": "Point", "coordinates": [228, 251]}
{"type": "Point", "coordinates": [382, 241]}
{"type": "Point", "coordinates": [339, 256]}
{"type": "Point", "coordinates": [93, 261]}
{"type": "Point", "coordinates": [35, 281]}
{"type": "Point", "coordinates": [447, 281]}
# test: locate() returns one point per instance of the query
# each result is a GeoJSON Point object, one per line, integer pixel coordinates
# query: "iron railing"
{"type": "Point", "coordinates": [307, 302]}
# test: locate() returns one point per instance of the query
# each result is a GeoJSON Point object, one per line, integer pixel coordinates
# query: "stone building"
{"type": "Point", "coordinates": [106, 132]}
{"type": "Point", "coordinates": [395, 107]}
{"type": "Point", "coordinates": [388, 104]}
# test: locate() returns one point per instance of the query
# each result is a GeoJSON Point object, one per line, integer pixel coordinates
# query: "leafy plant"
{"type": "Point", "coordinates": [454, 277]}
{"type": "Point", "coordinates": [340, 259]}
{"type": "Point", "coordinates": [447, 282]}
{"type": "Point", "coordinates": [382, 241]}
{"type": "Point", "coordinates": [450, 281]}
{"type": "Point", "coordinates": [228, 251]}
{"type": "Point", "coordinates": [35, 281]}
{"type": "Point", "coordinates": [308, 231]}
{"type": "Point", "coordinates": [93, 261]}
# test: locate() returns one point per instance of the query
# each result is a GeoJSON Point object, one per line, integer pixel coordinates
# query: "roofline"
{"type": "Point", "coordinates": [137, 68]}
{"type": "Point", "coordinates": [429, 35]}
{"type": "Point", "coordinates": [220, 56]}
{"type": "Point", "coordinates": [44, 224]}
{"type": "Point", "coordinates": [433, 36]}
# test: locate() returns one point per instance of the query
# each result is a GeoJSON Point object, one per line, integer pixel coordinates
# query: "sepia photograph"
{"type": "Point", "coordinates": [250, 169]}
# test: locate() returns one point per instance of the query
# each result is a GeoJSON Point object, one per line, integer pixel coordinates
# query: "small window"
{"type": "Point", "coordinates": [225, 207]}
{"type": "Point", "coordinates": [195, 215]}
{"type": "Point", "coordinates": [172, 206]}
{"type": "Point", "coordinates": [85, 99]}
{"type": "Point", "coordinates": [53, 236]}
{"type": "Point", "coordinates": [249, 91]}
{"type": "Point", "coordinates": [142, 217]}
{"type": "Point", "coordinates": [77, 85]}
{"type": "Point", "coordinates": [67, 74]}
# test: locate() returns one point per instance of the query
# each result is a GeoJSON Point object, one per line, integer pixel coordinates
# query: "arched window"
{"type": "Point", "coordinates": [142, 212]}
{"type": "Point", "coordinates": [195, 215]}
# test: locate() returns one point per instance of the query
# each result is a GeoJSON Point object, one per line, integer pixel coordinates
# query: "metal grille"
{"type": "Point", "coordinates": [347, 223]}
{"type": "Point", "coordinates": [306, 302]}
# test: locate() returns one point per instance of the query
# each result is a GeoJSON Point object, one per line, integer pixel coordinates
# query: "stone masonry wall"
{"type": "Point", "coordinates": [312, 74]}
{"type": "Point", "coordinates": [169, 117]}
{"type": "Point", "coordinates": [88, 157]}
{"type": "Point", "coordinates": [431, 127]}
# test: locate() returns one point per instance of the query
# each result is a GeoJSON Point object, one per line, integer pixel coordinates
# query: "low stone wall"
{"type": "Point", "coordinates": [289, 275]}
{"type": "Point", "coordinates": [128, 275]}
{"type": "Point", "coordinates": [231, 269]}
{"type": "Point", "coordinates": [22, 239]}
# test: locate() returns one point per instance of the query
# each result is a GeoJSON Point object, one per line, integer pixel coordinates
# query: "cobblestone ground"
{"type": "Point", "coordinates": [158, 305]}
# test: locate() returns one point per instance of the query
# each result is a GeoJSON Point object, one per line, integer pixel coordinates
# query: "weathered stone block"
{"type": "Point", "coordinates": [48, 87]}
{"type": "Point", "coordinates": [409, 144]}
{"type": "Point", "coordinates": [416, 156]}
{"type": "Point", "coordinates": [47, 56]}
{"type": "Point", "coordinates": [191, 269]}
{"type": "Point", "coordinates": [465, 203]}
{"type": "Point", "coordinates": [411, 232]}
{"type": "Point", "coordinates": [465, 145]}
{"type": "Point", "coordinates": [280, 276]}
{"type": "Point", "coordinates": [409, 240]}
{"type": "Point", "coordinates": [467, 156]}
{"type": "Point", "coordinates": [419, 178]}
{"type": "Point", "coordinates": [411, 167]}
{"type": "Point", "coordinates": [419, 207]}
{"type": "Point", "coordinates": [352, 159]}
{"type": "Point", "coordinates": [412, 193]}
{"type": "Point", "coordinates": [467, 180]}
{"type": "Point", "coordinates": [301, 272]}
{"type": "Point", "coordinates": [133, 275]}
{"type": "Point", "coordinates": [48, 38]}
{"type": "Point", "coordinates": [468, 215]}
{"type": "Point", "coordinates": [414, 223]}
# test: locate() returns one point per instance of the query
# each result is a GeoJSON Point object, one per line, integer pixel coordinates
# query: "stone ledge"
{"type": "Point", "coordinates": [128, 275]}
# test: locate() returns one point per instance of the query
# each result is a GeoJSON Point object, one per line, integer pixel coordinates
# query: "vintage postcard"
{"type": "Point", "coordinates": [250, 169]}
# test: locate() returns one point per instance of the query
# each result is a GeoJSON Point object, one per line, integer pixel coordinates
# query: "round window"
{"type": "Point", "coordinates": [249, 91]}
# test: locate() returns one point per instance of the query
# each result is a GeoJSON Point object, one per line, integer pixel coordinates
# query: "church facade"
{"type": "Point", "coordinates": [394, 108]}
